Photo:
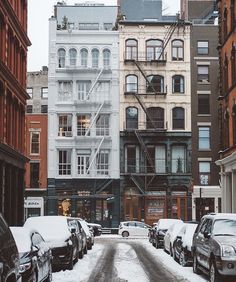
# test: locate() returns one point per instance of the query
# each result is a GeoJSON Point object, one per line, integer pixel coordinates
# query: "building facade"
{"type": "Point", "coordinates": [206, 195]}
{"type": "Point", "coordinates": [227, 106]}
{"type": "Point", "coordinates": [83, 113]}
{"type": "Point", "coordinates": [36, 143]}
{"type": "Point", "coordinates": [13, 52]}
{"type": "Point", "coordinates": [155, 120]}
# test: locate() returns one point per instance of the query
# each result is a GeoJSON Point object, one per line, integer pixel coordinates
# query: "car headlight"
{"type": "Point", "coordinates": [228, 251]}
{"type": "Point", "coordinates": [24, 267]}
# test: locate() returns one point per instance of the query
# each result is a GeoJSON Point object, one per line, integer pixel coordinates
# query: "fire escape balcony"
{"type": "Point", "coordinates": [155, 90]}
{"type": "Point", "coordinates": [145, 57]}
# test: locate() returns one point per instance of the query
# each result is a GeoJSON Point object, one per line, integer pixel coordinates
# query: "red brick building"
{"type": "Point", "coordinates": [13, 95]}
{"type": "Point", "coordinates": [227, 101]}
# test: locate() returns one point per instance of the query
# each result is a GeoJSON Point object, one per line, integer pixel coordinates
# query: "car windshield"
{"type": "Point", "coordinates": [224, 227]}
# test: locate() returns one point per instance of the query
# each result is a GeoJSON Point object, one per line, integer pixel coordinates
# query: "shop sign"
{"type": "Point", "coordinates": [33, 203]}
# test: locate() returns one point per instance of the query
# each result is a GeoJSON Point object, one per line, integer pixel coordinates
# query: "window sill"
{"type": "Point", "coordinates": [204, 82]}
{"type": "Point", "coordinates": [203, 115]}
{"type": "Point", "coordinates": [204, 150]}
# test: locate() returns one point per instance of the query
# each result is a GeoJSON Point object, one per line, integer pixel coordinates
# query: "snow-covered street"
{"type": "Point", "coordinates": [114, 258]}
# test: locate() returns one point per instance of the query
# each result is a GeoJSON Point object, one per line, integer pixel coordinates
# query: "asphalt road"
{"type": "Point", "coordinates": [106, 271]}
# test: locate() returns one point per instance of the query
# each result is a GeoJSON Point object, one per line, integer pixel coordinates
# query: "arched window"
{"type": "Point", "coordinates": [73, 56]}
{"type": "Point", "coordinates": [156, 83]}
{"type": "Point", "coordinates": [178, 118]}
{"type": "Point", "coordinates": [131, 84]}
{"type": "Point", "coordinates": [95, 58]}
{"type": "Point", "coordinates": [106, 58]}
{"type": "Point", "coordinates": [131, 118]}
{"type": "Point", "coordinates": [177, 50]}
{"type": "Point", "coordinates": [84, 57]}
{"type": "Point", "coordinates": [61, 58]}
{"type": "Point", "coordinates": [155, 118]}
{"type": "Point", "coordinates": [154, 49]}
{"type": "Point", "coordinates": [131, 49]}
{"type": "Point", "coordinates": [178, 84]}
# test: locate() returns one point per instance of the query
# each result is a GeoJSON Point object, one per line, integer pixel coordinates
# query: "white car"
{"type": "Point", "coordinates": [171, 235]}
{"type": "Point", "coordinates": [133, 228]}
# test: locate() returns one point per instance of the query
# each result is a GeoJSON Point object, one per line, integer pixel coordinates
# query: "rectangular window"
{"type": "Point", "coordinates": [83, 164]}
{"type": "Point", "coordinates": [102, 125]}
{"type": "Point", "coordinates": [131, 159]}
{"type": "Point", "coordinates": [178, 157]}
{"type": "Point", "coordinates": [34, 143]}
{"type": "Point", "coordinates": [83, 88]}
{"type": "Point", "coordinates": [64, 164]}
{"type": "Point", "coordinates": [44, 92]}
{"type": "Point", "coordinates": [29, 91]}
{"type": "Point", "coordinates": [204, 138]}
{"type": "Point", "coordinates": [65, 90]}
{"type": "Point", "coordinates": [65, 125]}
{"type": "Point", "coordinates": [44, 109]}
{"type": "Point", "coordinates": [103, 162]}
{"type": "Point", "coordinates": [160, 159]}
{"type": "Point", "coordinates": [203, 104]}
{"type": "Point", "coordinates": [202, 48]}
{"type": "Point", "coordinates": [29, 109]}
{"type": "Point", "coordinates": [83, 123]}
{"type": "Point", "coordinates": [203, 73]}
{"type": "Point", "coordinates": [204, 173]}
{"type": "Point", "coordinates": [34, 175]}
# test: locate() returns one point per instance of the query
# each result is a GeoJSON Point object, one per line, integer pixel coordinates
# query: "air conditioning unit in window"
{"type": "Point", "coordinates": [205, 81]}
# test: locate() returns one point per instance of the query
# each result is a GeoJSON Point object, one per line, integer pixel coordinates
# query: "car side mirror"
{"type": "Point", "coordinates": [72, 230]}
{"type": "Point", "coordinates": [207, 235]}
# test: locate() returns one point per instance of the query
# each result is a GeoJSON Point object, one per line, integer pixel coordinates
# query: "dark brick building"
{"type": "Point", "coordinates": [13, 52]}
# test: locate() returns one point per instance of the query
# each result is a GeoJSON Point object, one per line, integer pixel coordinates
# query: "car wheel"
{"type": "Point", "coordinates": [195, 264]}
{"type": "Point", "coordinates": [214, 274]}
{"type": "Point", "coordinates": [182, 259]}
{"type": "Point", "coordinates": [125, 234]}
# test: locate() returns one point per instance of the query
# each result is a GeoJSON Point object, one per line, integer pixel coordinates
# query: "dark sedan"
{"type": "Point", "coordinates": [35, 255]}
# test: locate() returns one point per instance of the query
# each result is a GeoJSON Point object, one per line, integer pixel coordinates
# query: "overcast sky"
{"type": "Point", "coordinates": [38, 14]}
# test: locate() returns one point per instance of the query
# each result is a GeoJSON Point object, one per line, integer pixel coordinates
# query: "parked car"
{"type": "Point", "coordinates": [170, 236]}
{"type": "Point", "coordinates": [133, 228]}
{"type": "Point", "coordinates": [214, 246]}
{"type": "Point", "coordinates": [88, 232]}
{"type": "Point", "coordinates": [97, 228]}
{"type": "Point", "coordinates": [77, 237]}
{"type": "Point", "coordinates": [55, 231]}
{"type": "Point", "coordinates": [9, 257]}
{"type": "Point", "coordinates": [183, 244]}
{"type": "Point", "coordinates": [160, 230]}
{"type": "Point", "coordinates": [35, 255]}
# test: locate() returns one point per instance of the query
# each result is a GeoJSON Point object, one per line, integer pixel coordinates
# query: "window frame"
{"type": "Point", "coordinates": [84, 58]}
{"type": "Point", "coordinates": [65, 123]}
{"type": "Point", "coordinates": [204, 174]}
{"type": "Point", "coordinates": [203, 108]}
{"type": "Point", "coordinates": [203, 139]}
{"type": "Point", "coordinates": [200, 50]}
{"type": "Point", "coordinates": [95, 59]}
{"type": "Point", "coordinates": [102, 162]}
{"type": "Point", "coordinates": [43, 92]}
{"type": "Point", "coordinates": [177, 48]}
{"type": "Point", "coordinates": [158, 119]}
{"type": "Point", "coordinates": [34, 183]}
{"type": "Point", "coordinates": [61, 58]}
{"type": "Point", "coordinates": [133, 53]}
{"type": "Point", "coordinates": [157, 86]}
{"type": "Point", "coordinates": [130, 119]}
{"type": "Point", "coordinates": [181, 84]}
{"type": "Point", "coordinates": [132, 84]}
{"type": "Point", "coordinates": [73, 57]}
{"type": "Point", "coordinates": [29, 91]}
{"type": "Point", "coordinates": [65, 165]}
{"type": "Point", "coordinates": [37, 143]}
{"type": "Point", "coordinates": [203, 77]}
{"type": "Point", "coordinates": [106, 55]}
{"type": "Point", "coordinates": [156, 50]}
{"type": "Point", "coordinates": [176, 121]}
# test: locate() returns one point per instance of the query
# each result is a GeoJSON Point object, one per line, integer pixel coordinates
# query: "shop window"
{"type": "Point", "coordinates": [34, 175]}
{"type": "Point", "coordinates": [64, 164]}
{"type": "Point", "coordinates": [203, 138]}
{"type": "Point", "coordinates": [34, 143]}
{"type": "Point", "coordinates": [155, 118]}
{"type": "Point", "coordinates": [131, 118]}
{"type": "Point", "coordinates": [65, 125]}
{"type": "Point", "coordinates": [177, 50]}
{"type": "Point", "coordinates": [83, 124]}
{"type": "Point", "coordinates": [64, 207]}
{"type": "Point", "coordinates": [178, 118]}
{"type": "Point", "coordinates": [84, 209]}
{"type": "Point", "coordinates": [203, 104]}
{"type": "Point", "coordinates": [178, 159]}
{"type": "Point", "coordinates": [204, 173]}
{"type": "Point", "coordinates": [131, 49]}
{"type": "Point", "coordinates": [202, 47]}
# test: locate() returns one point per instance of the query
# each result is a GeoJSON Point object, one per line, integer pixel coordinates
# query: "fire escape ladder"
{"type": "Point", "coordinates": [104, 186]}
{"type": "Point", "coordinates": [145, 150]}
{"type": "Point", "coordinates": [95, 155]}
{"type": "Point", "coordinates": [136, 182]}
{"type": "Point", "coordinates": [94, 119]}
{"type": "Point", "coordinates": [144, 75]}
{"type": "Point", "coordinates": [94, 84]}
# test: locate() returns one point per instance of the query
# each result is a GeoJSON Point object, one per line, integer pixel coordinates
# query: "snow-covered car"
{"type": "Point", "coordinates": [133, 228]}
{"type": "Point", "coordinates": [171, 235]}
{"type": "Point", "coordinates": [183, 244]}
{"type": "Point", "coordinates": [88, 232]}
{"type": "Point", "coordinates": [97, 228]}
{"type": "Point", "coordinates": [9, 256]}
{"type": "Point", "coordinates": [35, 255]}
{"type": "Point", "coordinates": [55, 231]}
{"type": "Point", "coordinates": [160, 230]}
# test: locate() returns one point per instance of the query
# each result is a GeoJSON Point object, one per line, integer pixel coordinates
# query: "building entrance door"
{"type": "Point", "coordinates": [179, 208]}
{"type": "Point", "coordinates": [132, 207]}
{"type": "Point", "coordinates": [204, 206]}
